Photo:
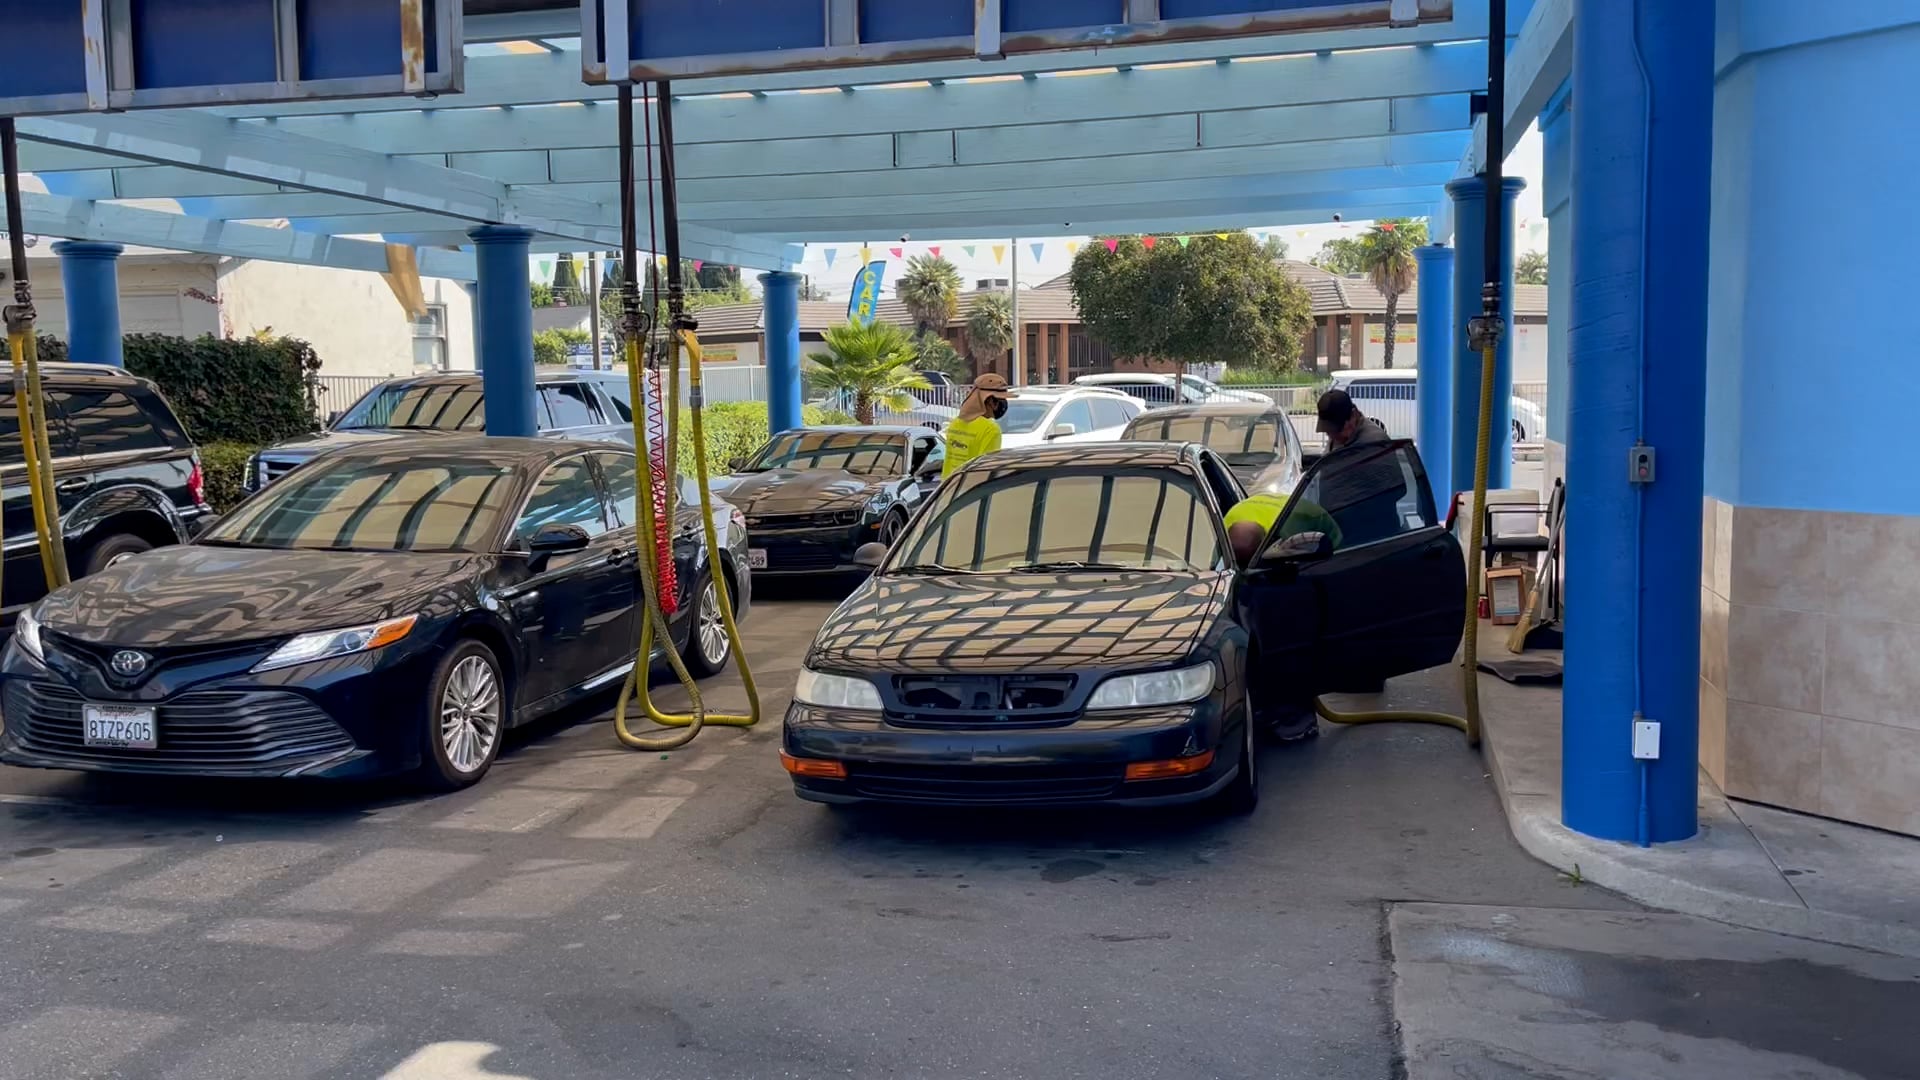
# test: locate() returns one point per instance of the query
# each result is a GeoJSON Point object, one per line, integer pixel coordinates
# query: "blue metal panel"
{"type": "Point", "coordinates": [184, 42]}
{"type": "Point", "coordinates": [1206, 9]}
{"type": "Point", "coordinates": [1024, 16]}
{"type": "Point", "coordinates": [666, 28]}
{"type": "Point", "coordinates": [915, 22]}
{"type": "Point", "coordinates": [346, 39]}
{"type": "Point", "coordinates": [40, 58]}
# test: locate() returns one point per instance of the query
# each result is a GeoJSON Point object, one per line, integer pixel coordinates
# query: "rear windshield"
{"type": "Point", "coordinates": [995, 520]}
{"type": "Point", "coordinates": [437, 405]}
{"type": "Point", "coordinates": [1024, 416]}
{"type": "Point", "coordinates": [865, 453]}
{"type": "Point", "coordinates": [1250, 439]}
{"type": "Point", "coordinates": [386, 503]}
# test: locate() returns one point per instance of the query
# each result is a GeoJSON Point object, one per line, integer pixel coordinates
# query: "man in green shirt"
{"type": "Point", "coordinates": [976, 430]}
{"type": "Point", "coordinates": [1287, 713]}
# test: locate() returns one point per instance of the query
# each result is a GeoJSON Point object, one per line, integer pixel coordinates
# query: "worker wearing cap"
{"type": "Point", "coordinates": [976, 430]}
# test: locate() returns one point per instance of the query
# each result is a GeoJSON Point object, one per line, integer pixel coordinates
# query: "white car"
{"type": "Point", "coordinates": [1066, 414]}
{"type": "Point", "coordinates": [1387, 395]}
{"type": "Point", "coordinates": [1160, 390]}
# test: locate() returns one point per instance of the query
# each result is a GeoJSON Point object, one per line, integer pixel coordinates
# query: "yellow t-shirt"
{"type": "Point", "coordinates": [969, 439]}
{"type": "Point", "coordinates": [1264, 510]}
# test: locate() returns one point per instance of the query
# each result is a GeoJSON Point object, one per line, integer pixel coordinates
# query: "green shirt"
{"type": "Point", "coordinates": [969, 439]}
{"type": "Point", "coordinates": [1265, 510]}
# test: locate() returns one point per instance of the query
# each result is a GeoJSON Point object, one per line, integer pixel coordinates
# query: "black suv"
{"type": "Point", "coordinates": [126, 476]}
{"type": "Point", "coordinates": [592, 405]}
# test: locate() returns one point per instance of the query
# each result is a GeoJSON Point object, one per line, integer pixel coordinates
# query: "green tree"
{"type": "Point", "coordinates": [1531, 269]}
{"type": "Point", "coordinates": [1215, 300]}
{"type": "Point", "coordinates": [869, 364]}
{"type": "Point", "coordinates": [1387, 256]}
{"type": "Point", "coordinates": [989, 328]}
{"type": "Point", "coordinates": [542, 294]}
{"type": "Point", "coordinates": [938, 354]}
{"type": "Point", "coordinates": [931, 290]}
{"type": "Point", "coordinates": [811, 291]}
{"type": "Point", "coordinates": [566, 281]}
{"type": "Point", "coordinates": [1274, 247]}
{"type": "Point", "coordinates": [1341, 255]}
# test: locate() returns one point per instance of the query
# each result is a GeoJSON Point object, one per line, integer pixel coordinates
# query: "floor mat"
{"type": "Point", "coordinates": [1525, 670]}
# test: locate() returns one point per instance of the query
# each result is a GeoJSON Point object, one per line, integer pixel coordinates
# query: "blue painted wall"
{"type": "Point", "coordinates": [1556, 199]}
{"type": "Point", "coordinates": [1810, 363]}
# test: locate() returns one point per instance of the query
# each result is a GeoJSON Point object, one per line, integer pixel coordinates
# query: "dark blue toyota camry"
{"type": "Point", "coordinates": [380, 610]}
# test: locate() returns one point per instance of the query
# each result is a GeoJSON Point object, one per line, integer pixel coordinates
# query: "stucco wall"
{"type": "Point", "coordinates": [349, 316]}
{"type": "Point", "coordinates": [170, 297]}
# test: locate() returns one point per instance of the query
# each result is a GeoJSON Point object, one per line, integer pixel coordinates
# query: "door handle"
{"type": "Point", "coordinates": [622, 555]}
{"type": "Point", "coordinates": [1434, 550]}
{"type": "Point", "coordinates": [71, 485]}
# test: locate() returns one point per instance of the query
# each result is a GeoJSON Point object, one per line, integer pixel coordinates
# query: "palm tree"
{"type": "Point", "coordinates": [869, 364]}
{"type": "Point", "coordinates": [1386, 254]}
{"type": "Point", "coordinates": [990, 327]}
{"type": "Point", "coordinates": [931, 290]}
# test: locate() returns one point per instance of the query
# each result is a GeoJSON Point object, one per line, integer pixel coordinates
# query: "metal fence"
{"type": "Point", "coordinates": [339, 392]}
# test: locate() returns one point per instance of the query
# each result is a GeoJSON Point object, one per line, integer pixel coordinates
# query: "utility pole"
{"type": "Point", "coordinates": [1013, 283]}
{"type": "Point", "coordinates": [593, 300]}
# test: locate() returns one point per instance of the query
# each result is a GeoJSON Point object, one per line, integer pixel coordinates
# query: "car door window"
{"type": "Point", "coordinates": [922, 450]}
{"type": "Point", "coordinates": [1110, 413]}
{"type": "Point", "coordinates": [1361, 496]}
{"type": "Point", "coordinates": [1226, 490]}
{"type": "Point", "coordinates": [571, 404]}
{"type": "Point", "coordinates": [106, 421]}
{"type": "Point", "coordinates": [616, 394]}
{"type": "Point", "coordinates": [1076, 413]}
{"type": "Point", "coordinates": [622, 480]}
{"type": "Point", "coordinates": [566, 494]}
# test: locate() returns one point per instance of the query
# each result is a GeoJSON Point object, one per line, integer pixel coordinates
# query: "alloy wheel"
{"type": "Point", "coordinates": [470, 714]}
{"type": "Point", "coordinates": [890, 529]}
{"type": "Point", "coordinates": [711, 627]}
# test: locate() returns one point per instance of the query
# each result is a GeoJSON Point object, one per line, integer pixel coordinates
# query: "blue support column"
{"type": "Point", "coordinates": [90, 278]}
{"type": "Point", "coordinates": [1556, 191]}
{"type": "Point", "coordinates": [781, 296]}
{"type": "Point", "coordinates": [1643, 81]}
{"type": "Point", "coordinates": [1469, 274]}
{"type": "Point", "coordinates": [505, 316]}
{"type": "Point", "coordinates": [1433, 391]}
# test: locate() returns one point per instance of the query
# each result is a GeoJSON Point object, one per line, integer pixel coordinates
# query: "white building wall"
{"type": "Point", "coordinates": [167, 296]}
{"type": "Point", "coordinates": [350, 317]}
{"type": "Point", "coordinates": [1529, 349]}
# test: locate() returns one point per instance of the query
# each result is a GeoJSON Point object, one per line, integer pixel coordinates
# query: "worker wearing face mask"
{"type": "Point", "coordinates": [976, 431]}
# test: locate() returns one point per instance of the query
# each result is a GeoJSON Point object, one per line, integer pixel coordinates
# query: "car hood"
{"type": "Point", "coordinates": [797, 491]}
{"type": "Point", "coordinates": [199, 595]}
{"type": "Point", "coordinates": [993, 623]}
{"type": "Point", "coordinates": [306, 446]}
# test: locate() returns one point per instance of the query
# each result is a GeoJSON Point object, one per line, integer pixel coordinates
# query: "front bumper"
{"type": "Point", "coordinates": [798, 552]}
{"type": "Point", "coordinates": [1080, 763]}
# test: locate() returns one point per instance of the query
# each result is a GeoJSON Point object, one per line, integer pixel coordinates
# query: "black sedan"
{"type": "Point", "coordinates": [1067, 625]}
{"type": "Point", "coordinates": [378, 611]}
{"type": "Point", "coordinates": [813, 496]}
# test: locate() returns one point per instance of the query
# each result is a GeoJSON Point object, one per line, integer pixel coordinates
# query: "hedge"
{"type": "Point", "coordinates": [245, 390]}
{"type": "Point", "coordinates": [51, 349]}
{"type": "Point", "coordinates": [223, 466]}
{"type": "Point", "coordinates": [737, 429]}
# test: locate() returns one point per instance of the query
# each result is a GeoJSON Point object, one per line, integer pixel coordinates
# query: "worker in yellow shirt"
{"type": "Point", "coordinates": [1286, 712]}
{"type": "Point", "coordinates": [976, 431]}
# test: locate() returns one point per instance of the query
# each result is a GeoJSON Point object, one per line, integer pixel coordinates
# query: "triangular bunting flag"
{"type": "Point", "coordinates": [934, 251]}
{"type": "Point", "coordinates": [866, 255]}
{"type": "Point", "coordinates": [697, 264]}
{"type": "Point", "coordinates": [1037, 249]}
{"type": "Point", "coordinates": [1112, 244]}
{"type": "Point", "coordinates": [1147, 242]}
{"type": "Point", "coordinates": [1221, 235]}
{"type": "Point", "coordinates": [1073, 246]}
{"type": "Point", "coordinates": [999, 252]}
{"type": "Point", "coordinates": [544, 273]}
{"type": "Point", "coordinates": [895, 252]}
{"type": "Point", "coordinates": [832, 254]}
{"type": "Point", "coordinates": [970, 249]}
{"type": "Point", "coordinates": [1185, 240]}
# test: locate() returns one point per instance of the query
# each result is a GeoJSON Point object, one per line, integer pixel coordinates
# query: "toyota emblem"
{"type": "Point", "coordinates": [127, 663]}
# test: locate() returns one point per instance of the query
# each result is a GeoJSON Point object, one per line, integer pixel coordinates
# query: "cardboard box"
{"type": "Point", "coordinates": [1507, 589]}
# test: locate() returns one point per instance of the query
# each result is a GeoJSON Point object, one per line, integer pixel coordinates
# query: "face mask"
{"type": "Point", "coordinates": [997, 406]}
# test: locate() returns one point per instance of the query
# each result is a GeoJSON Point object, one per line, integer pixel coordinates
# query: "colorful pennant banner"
{"type": "Point", "coordinates": [1113, 245]}
{"type": "Point", "coordinates": [1037, 249]}
{"type": "Point", "coordinates": [999, 253]}
{"type": "Point", "coordinates": [832, 254]}
{"type": "Point", "coordinates": [1184, 240]}
{"type": "Point", "coordinates": [934, 251]}
{"type": "Point", "coordinates": [1073, 247]}
{"type": "Point", "coordinates": [895, 252]}
{"type": "Point", "coordinates": [970, 249]}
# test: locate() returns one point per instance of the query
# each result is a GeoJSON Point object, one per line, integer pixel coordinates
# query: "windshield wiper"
{"type": "Point", "coordinates": [1042, 567]}
{"type": "Point", "coordinates": [929, 568]}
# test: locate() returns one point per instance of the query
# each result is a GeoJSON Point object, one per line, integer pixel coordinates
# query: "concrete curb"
{"type": "Point", "coordinates": [1653, 876]}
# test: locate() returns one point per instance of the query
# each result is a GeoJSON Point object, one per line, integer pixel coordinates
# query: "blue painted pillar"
{"type": "Point", "coordinates": [1637, 360]}
{"type": "Point", "coordinates": [90, 278]}
{"type": "Point", "coordinates": [1433, 391]}
{"type": "Point", "coordinates": [1556, 191]}
{"type": "Point", "coordinates": [1469, 274]}
{"type": "Point", "coordinates": [781, 296]}
{"type": "Point", "coordinates": [505, 315]}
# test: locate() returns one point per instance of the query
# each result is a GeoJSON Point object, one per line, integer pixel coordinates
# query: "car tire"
{"type": "Point", "coordinates": [708, 647]}
{"type": "Point", "coordinates": [892, 526]}
{"type": "Point", "coordinates": [1519, 432]}
{"type": "Point", "coordinates": [108, 550]}
{"type": "Point", "coordinates": [465, 717]}
{"type": "Point", "coordinates": [1242, 793]}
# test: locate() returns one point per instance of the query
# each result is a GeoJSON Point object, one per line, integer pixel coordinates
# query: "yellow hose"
{"type": "Point", "coordinates": [31, 408]}
{"type": "Point", "coordinates": [654, 626]}
{"type": "Point", "coordinates": [1470, 635]}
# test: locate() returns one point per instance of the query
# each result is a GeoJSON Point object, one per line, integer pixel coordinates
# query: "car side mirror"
{"type": "Point", "coordinates": [736, 463]}
{"type": "Point", "coordinates": [550, 540]}
{"type": "Point", "coordinates": [1061, 431]}
{"type": "Point", "coordinates": [333, 417]}
{"type": "Point", "coordinates": [1301, 547]}
{"type": "Point", "coordinates": [870, 555]}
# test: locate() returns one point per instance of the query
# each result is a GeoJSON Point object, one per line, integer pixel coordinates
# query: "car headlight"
{"type": "Point", "coordinates": [327, 644]}
{"type": "Point", "coordinates": [26, 631]}
{"type": "Point", "coordinates": [1174, 687]}
{"type": "Point", "coordinates": [835, 691]}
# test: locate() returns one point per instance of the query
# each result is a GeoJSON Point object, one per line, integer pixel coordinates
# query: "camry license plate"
{"type": "Point", "coordinates": [127, 727]}
{"type": "Point", "coordinates": [756, 558]}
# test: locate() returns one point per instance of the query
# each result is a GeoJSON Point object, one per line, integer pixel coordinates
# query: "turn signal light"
{"type": "Point", "coordinates": [814, 767]}
{"type": "Point", "coordinates": [1162, 770]}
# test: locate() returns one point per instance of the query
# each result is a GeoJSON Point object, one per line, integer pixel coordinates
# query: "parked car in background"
{"type": "Point", "coordinates": [1258, 442]}
{"type": "Point", "coordinates": [1044, 414]}
{"type": "Point", "coordinates": [125, 476]}
{"type": "Point", "coordinates": [388, 608]}
{"type": "Point", "coordinates": [1387, 395]}
{"type": "Point", "coordinates": [592, 405]}
{"type": "Point", "coordinates": [1161, 390]}
{"type": "Point", "coordinates": [927, 411]}
{"type": "Point", "coordinates": [812, 496]}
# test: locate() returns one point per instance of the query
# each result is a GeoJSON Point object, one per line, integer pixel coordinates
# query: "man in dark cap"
{"type": "Point", "coordinates": [1344, 425]}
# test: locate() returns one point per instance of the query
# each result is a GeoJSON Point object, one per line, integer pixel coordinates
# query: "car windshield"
{"type": "Point", "coordinates": [1196, 383]}
{"type": "Point", "coordinates": [864, 453]}
{"type": "Point", "coordinates": [436, 405]}
{"type": "Point", "coordinates": [385, 503]}
{"type": "Point", "coordinates": [1001, 520]}
{"type": "Point", "coordinates": [1249, 439]}
{"type": "Point", "coordinates": [1024, 415]}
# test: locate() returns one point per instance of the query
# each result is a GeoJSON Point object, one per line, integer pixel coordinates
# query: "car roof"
{"type": "Point", "coordinates": [67, 370]}
{"type": "Point", "coordinates": [503, 450]}
{"type": "Point", "coordinates": [1124, 376]}
{"type": "Point", "coordinates": [1119, 455]}
{"type": "Point", "coordinates": [1054, 391]}
{"type": "Point", "coordinates": [1369, 374]}
{"type": "Point", "coordinates": [461, 378]}
{"type": "Point", "coordinates": [1209, 408]}
{"type": "Point", "coordinates": [877, 429]}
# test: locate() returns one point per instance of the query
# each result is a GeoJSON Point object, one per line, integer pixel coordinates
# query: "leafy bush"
{"type": "Point", "coordinates": [51, 350]}
{"type": "Point", "coordinates": [248, 390]}
{"type": "Point", "coordinates": [224, 467]}
{"type": "Point", "coordinates": [1269, 376]}
{"type": "Point", "coordinates": [737, 429]}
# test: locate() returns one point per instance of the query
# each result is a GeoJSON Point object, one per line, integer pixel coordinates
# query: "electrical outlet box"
{"type": "Point", "coordinates": [1646, 740]}
{"type": "Point", "coordinates": [1640, 464]}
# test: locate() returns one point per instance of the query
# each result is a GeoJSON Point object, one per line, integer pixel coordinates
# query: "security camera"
{"type": "Point", "coordinates": [905, 237]}
{"type": "Point", "coordinates": [1336, 217]}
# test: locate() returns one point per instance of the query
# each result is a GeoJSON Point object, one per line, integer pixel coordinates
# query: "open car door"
{"type": "Point", "coordinates": [1358, 580]}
